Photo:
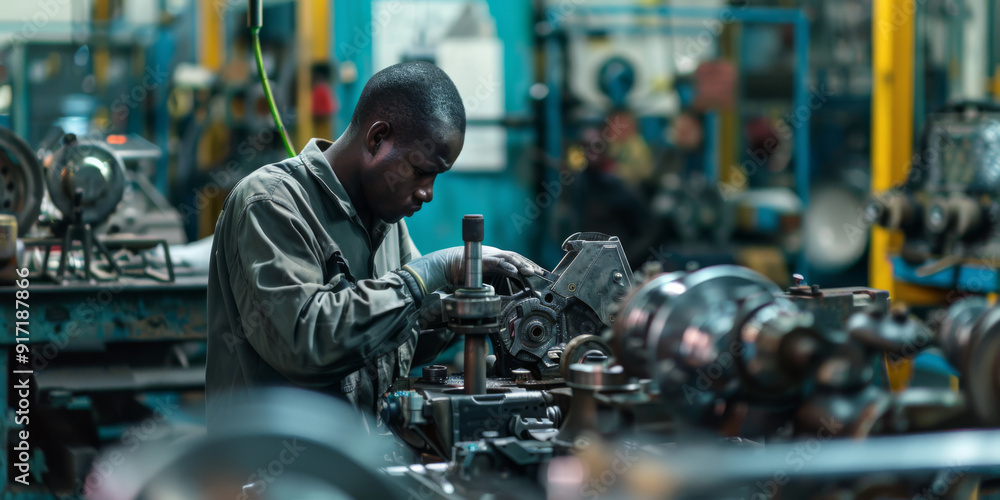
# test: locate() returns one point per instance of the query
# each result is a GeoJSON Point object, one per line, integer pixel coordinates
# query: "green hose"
{"type": "Point", "coordinates": [267, 92]}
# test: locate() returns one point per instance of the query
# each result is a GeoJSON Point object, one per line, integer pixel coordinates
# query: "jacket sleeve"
{"type": "Point", "coordinates": [311, 330]}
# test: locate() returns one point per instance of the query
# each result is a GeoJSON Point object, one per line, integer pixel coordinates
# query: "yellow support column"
{"type": "Point", "coordinates": [892, 119]}
{"type": "Point", "coordinates": [211, 34]}
{"type": "Point", "coordinates": [892, 139]}
{"type": "Point", "coordinates": [322, 29]}
{"type": "Point", "coordinates": [210, 55]}
{"type": "Point", "coordinates": [312, 39]}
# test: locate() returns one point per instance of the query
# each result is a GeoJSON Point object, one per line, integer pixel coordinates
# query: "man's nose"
{"type": "Point", "coordinates": [425, 194]}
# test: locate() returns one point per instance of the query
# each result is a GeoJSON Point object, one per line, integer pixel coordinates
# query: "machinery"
{"type": "Point", "coordinates": [22, 188]}
{"type": "Point", "coordinates": [114, 333]}
{"type": "Point", "coordinates": [708, 362]}
{"type": "Point", "coordinates": [687, 359]}
{"type": "Point", "coordinates": [947, 208]}
{"type": "Point", "coordinates": [537, 327]}
{"type": "Point", "coordinates": [711, 383]}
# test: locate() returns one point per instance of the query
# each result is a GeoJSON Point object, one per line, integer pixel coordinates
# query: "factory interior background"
{"type": "Point", "coordinates": [767, 229]}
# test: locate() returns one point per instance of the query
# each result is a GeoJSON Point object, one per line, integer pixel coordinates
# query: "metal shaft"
{"type": "Point", "coordinates": [475, 364]}
{"type": "Point", "coordinates": [473, 264]}
{"type": "Point", "coordinates": [475, 345]}
{"type": "Point", "coordinates": [472, 235]}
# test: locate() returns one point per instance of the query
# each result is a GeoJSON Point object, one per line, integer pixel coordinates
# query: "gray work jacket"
{"type": "Point", "coordinates": [299, 292]}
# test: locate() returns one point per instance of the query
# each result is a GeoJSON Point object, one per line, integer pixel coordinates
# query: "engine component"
{"type": "Point", "coordinates": [727, 352]}
{"type": "Point", "coordinates": [585, 348]}
{"type": "Point", "coordinates": [725, 334]}
{"type": "Point", "coordinates": [948, 206]}
{"type": "Point", "coordinates": [92, 169]}
{"type": "Point", "coordinates": [833, 306]}
{"type": "Point", "coordinates": [472, 311]}
{"type": "Point", "coordinates": [21, 180]}
{"type": "Point", "coordinates": [703, 335]}
{"type": "Point", "coordinates": [435, 374]}
{"type": "Point", "coordinates": [445, 417]}
{"type": "Point", "coordinates": [970, 338]}
{"type": "Point", "coordinates": [586, 379]}
{"type": "Point", "coordinates": [579, 297]}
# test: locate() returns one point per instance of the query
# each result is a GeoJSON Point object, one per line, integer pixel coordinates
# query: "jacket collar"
{"type": "Point", "coordinates": [313, 158]}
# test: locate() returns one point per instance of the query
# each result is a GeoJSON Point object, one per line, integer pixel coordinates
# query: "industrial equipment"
{"type": "Point", "coordinates": [947, 209]}
{"type": "Point", "coordinates": [696, 358]}
{"type": "Point", "coordinates": [112, 347]}
{"type": "Point", "coordinates": [687, 384]}
{"type": "Point", "coordinates": [720, 351]}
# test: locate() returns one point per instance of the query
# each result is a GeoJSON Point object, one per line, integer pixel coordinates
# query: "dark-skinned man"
{"type": "Point", "coordinates": [314, 280]}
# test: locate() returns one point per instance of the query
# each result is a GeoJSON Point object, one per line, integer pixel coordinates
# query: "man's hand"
{"type": "Point", "coordinates": [496, 261]}
{"type": "Point", "coordinates": [447, 267]}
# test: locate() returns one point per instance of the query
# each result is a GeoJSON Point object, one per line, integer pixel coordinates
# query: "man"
{"type": "Point", "coordinates": [314, 280]}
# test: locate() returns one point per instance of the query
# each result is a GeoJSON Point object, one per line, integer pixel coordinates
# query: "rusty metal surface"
{"type": "Point", "coordinates": [113, 311]}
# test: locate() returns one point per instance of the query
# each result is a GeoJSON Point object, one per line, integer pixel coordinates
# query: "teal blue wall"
{"type": "Point", "coordinates": [495, 195]}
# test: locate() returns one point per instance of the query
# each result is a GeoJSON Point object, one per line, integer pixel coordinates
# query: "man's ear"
{"type": "Point", "coordinates": [377, 133]}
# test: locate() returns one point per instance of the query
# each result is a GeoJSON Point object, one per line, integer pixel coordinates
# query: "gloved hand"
{"type": "Point", "coordinates": [446, 267]}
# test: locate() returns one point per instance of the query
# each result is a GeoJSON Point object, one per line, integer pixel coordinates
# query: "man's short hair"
{"type": "Point", "coordinates": [410, 95]}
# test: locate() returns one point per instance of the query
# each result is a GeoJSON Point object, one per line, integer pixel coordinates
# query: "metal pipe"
{"type": "Point", "coordinates": [475, 364]}
{"type": "Point", "coordinates": [473, 264]}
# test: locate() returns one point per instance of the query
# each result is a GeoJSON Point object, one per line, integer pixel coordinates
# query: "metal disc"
{"type": "Point", "coordinates": [21, 185]}
{"type": "Point", "coordinates": [92, 167]}
{"type": "Point", "coordinates": [834, 240]}
{"type": "Point", "coordinates": [679, 323]}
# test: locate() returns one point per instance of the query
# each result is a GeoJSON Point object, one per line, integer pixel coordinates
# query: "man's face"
{"type": "Point", "coordinates": [401, 174]}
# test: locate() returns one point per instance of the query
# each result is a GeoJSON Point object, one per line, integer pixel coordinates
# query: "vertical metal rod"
{"type": "Point", "coordinates": [473, 230]}
{"type": "Point", "coordinates": [475, 345]}
{"type": "Point", "coordinates": [475, 364]}
{"type": "Point", "coordinates": [473, 264]}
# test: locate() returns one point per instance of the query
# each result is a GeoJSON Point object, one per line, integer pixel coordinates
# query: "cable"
{"type": "Point", "coordinates": [267, 92]}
